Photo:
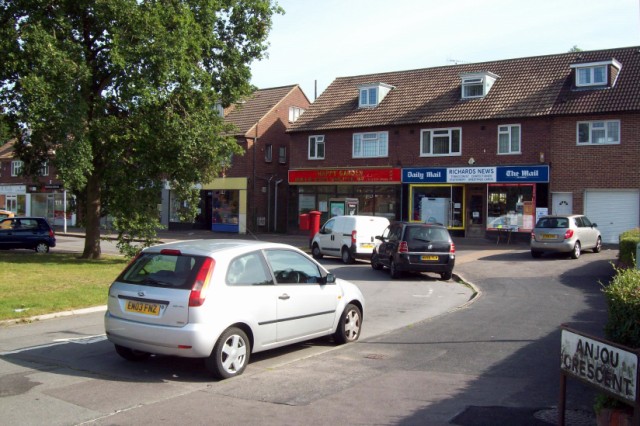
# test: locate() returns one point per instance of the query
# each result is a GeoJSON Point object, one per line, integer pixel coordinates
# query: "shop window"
{"type": "Point", "coordinates": [225, 211]}
{"type": "Point", "coordinates": [438, 204]}
{"type": "Point", "coordinates": [511, 207]}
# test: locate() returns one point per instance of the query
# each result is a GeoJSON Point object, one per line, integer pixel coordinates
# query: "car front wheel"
{"type": "Point", "coordinates": [230, 354]}
{"type": "Point", "coordinates": [350, 325]}
{"type": "Point", "coordinates": [575, 253]}
{"type": "Point", "coordinates": [42, 248]}
{"type": "Point", "coordinates": [315, 252]}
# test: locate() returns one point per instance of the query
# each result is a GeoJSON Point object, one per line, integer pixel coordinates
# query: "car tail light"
{"type": "Point", "coordinates": [452, 250]}
{"type": "Point", "coordinates": [51, 233]}
{"type": "Point", "coordinates": [568, 234]}
{"type": "Point", "coordinates": [200, 286]}
{"type": "Point", "coordinates": [403, 247]}
{"type": "Point", "coordinates": [354, 234]}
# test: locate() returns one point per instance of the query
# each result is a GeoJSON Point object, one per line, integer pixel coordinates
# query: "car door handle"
{"type": "Point", "coordinates": [284, 296]}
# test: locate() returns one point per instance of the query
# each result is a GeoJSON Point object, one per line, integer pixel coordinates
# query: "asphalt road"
{"type": "Point", "coordinates": [426, 356]}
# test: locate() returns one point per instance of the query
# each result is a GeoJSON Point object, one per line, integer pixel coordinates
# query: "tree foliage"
{"type": "Point", "coordinates": [120, 96]}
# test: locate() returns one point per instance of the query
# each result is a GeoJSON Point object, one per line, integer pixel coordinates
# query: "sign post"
{"type": "Point", "coordinates": [610, 367]}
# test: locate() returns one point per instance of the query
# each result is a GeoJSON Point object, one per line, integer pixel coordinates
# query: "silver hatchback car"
{"type": "Point", "coordinates": [565, 234]}
{"type": "Point", "coordinates": [223, 300]}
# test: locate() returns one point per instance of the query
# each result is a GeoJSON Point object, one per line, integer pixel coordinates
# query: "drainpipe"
{"type": "Point", "coordinates": [269, 204]}
{"type": "Point", "coordinates": [275, 206]}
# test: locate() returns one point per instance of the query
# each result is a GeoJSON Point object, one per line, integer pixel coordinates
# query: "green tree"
{"type": "Point", "coordinates": [120, 96]}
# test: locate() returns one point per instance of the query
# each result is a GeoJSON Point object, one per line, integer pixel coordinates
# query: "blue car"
{"type": "Point", "coordinates": [33, 233]}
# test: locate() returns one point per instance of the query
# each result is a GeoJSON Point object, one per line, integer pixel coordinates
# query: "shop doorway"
{"type": "Point", "coordinates": [475, 214]}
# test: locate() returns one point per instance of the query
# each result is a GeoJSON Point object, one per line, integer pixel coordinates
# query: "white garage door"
{"type": "Point", "coordinates": [614, 211]}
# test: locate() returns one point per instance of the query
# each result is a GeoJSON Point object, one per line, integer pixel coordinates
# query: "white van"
{"type": "Point", "coordinates": [348, 237]}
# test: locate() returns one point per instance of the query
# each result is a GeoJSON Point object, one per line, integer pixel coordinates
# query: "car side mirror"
{"type": "Point", "coordinates": [379, 237]}
{"type": "Point", "coordinates": [328, 279]}
{"type": "Point", "coordinates": [594, 225]}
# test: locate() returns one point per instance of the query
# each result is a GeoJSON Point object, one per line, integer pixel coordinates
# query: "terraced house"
{"type": "Point", "coordinates": [479, 147]}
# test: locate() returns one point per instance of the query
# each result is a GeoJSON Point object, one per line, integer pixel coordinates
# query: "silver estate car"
{"type": "Point", "coordinates": [565, 234]}
{"type": "Point", "coordinates": [222, 300]}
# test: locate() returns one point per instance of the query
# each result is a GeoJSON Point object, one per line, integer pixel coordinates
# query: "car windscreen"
{"type": "Point", "coordinates": [163, 270]}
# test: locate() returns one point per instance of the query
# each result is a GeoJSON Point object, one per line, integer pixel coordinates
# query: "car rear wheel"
{"type": "Point", "coordinates": [132, 354]}
{"type": "Point", "coordinates": [536, 254]}
{"type": "Point", "coordinates": [598, 246]}
{"type": "Point", "coordinates": [42, 248]}
{"type": "Point", "coordinates": [393, 271]}
{"type": "Point", "coordinates": [375, 262]}
{"type": "Point", "coordinates": [350, 324]}
{"type": "Point", "coordinates": [346, 256]}
{"type": "Point", "coordinates": [446, 276]}
{"type": "Point", "coordinates": [315, 252]}
{"type": "Point", "coordinates": [230, 354]}
{"type": "Point", "coordinates": [575, 253]}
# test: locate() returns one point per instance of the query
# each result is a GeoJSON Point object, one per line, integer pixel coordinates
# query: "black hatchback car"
{"type": "Point", "coordinates": [33, 233]}
{"type": "Point", "coordinates": [415, 247]}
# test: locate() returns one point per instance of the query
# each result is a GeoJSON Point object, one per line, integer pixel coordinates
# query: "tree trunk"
{"type": "Point", "coordinates": [92, 220]}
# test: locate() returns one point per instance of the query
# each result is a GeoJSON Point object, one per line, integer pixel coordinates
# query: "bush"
{"type": "Point", "coordinates": [623, 301]}
{"type": "Point", "coordinates": [628, 242]}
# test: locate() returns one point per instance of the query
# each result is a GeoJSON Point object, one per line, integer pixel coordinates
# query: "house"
{"type": "Point", "coordinates": [44, 197]}
{"type": "Point", "coordinates": [481, 147]}
{"type": "Point", "coordinates": [252, 193]}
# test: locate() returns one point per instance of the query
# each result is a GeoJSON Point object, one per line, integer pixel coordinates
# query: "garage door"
{"type": "Point", "coordinates": [614, 211]}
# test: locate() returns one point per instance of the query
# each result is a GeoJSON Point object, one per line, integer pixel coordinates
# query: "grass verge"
{"type": "Point", "coordinates": [35, 284]}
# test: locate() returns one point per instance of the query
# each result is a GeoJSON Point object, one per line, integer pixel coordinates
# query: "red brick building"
{"type": "Point", "coordinates": [480, 147]}
{"type": "Point", "coordinates": [251, 195]}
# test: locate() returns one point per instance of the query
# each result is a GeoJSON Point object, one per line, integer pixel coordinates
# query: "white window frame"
{"type": "Point", "coordinates": [508, 130]}
{"type": "Point", "coordinates": [599, 126]}
{"type": "Point", "coordinates": [16, 167]}
{"type": "Point", "coordinates": [268, 153]}
{"type": "Point", "coordinates": [482, 80]}
{"type": "Point", "coordinates": [282, 154]}
{"type": "Point", "coordinates": [585, 73]}
{"type": "Point", "coordinates": [314, 142]}
{"type": "Point", "coordinates": [295, 113]}
{"type": "Point", "coordinates": [370, 145]}
{"type": "Point", "coordinates": [365, 100]}
{"type": "Point", "coordinates": [44, 170]}
{"type": "Point", "coordinates": [440, 133]}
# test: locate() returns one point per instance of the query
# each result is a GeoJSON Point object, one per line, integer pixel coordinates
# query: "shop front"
{"type": "Point", "coordinates": [365, 191]}
{"type": "Point", "coordinates": [474, 201]}
{"type": "Point", "coordinates": [222, 207]}
{"type": "Point", "coordinates": [42, 200]}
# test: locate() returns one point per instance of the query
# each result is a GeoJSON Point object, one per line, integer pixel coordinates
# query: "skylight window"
{"type": "Point", "coordinates": [477, 85]}
{"type": "Point", "coordinates": [596, 73]}
{"type": "Point", "coordinates": [372, 94]}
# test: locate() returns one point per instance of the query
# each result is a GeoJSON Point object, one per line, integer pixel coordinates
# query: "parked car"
{"type": "Point", "coordinates": [415, 247]}
{"type": "Point", "coordinates": [565, 234]}
{"type": "Point", "coordinates": [223, 300]}
{"type": "Point", "coordinates": [348, 237]}
{"type": "Point", "coordinates": [33, 233]}
{"type": "Point", "coordinates": [5, 214]}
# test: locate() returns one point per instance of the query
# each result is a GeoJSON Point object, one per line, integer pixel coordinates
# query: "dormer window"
{"type": "Point", "coordinates": [372, 94]}
{"type": "Point", "coordinates": [596, 74]}
{"type": "Point", "coordinates": [477, 85]}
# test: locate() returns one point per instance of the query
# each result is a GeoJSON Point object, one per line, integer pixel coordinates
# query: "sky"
{"type": "Point", "coordinates": [316, 41]}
